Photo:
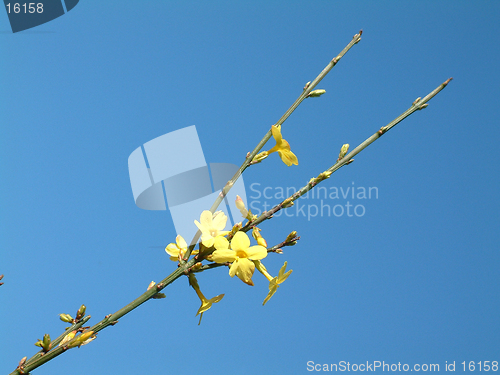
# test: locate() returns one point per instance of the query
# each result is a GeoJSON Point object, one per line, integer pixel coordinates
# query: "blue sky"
{"type": "Point", "coordinates": [413, 280]}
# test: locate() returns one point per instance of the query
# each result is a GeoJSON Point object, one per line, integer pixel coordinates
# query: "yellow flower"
{"type": "Point", "coordinates": [206, 304]}
{"type": "Point", "coordinates": [240, 254]}
{"type": "Point", "coordinates": [282, 147]}
{"type": "Point", "coordinates": [211, 226]}
{"type": "Point", "coordinates": [178, 249]}
{"type": "Point", "coordinates": [275, 281]}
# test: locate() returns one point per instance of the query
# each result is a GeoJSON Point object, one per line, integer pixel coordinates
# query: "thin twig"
{"type": "Point", "coordinates": [416, 105]}
{"type": "Point", "coordinates": [305, 93]}
{"type": "Point", "coordinates": [111, 319]}
{"type": "Point", "coordinates": [56, 341]}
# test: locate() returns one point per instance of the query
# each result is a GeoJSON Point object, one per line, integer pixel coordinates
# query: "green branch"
{"type": "Point", "coordinates": [305, 93]}
{"type": "Point", "coordinates": [418, 104]}
{"type": "Point", "coordinates": [185, 265]}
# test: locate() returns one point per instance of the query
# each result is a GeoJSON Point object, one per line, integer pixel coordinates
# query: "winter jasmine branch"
{"type": "Point", "coordinates": [309, 87]}
{"type": "Point", "coordinates": [109, 320]}
{"type": "Point", "coordinates": [224, 248]}
{"type": "Point", "coordinates": [418, 104]}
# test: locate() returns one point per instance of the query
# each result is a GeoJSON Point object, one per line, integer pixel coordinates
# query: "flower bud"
{"type": "Point", "coordinates": [67, 338]}
{"type": "Point", "coordinates": [22, 362]}
{"type": "Point", "coordinates": [46, 342]}
{"type": "Point", "coordinates": [259, 157]}
{"type": "Point", "coordinates": [324, 175]}
{"type": "Point", "coordinates": [291, 236]}
{"type": "Point", "coordinates": [89, 339]}
{"type": "Point", "coordinates": [235, 229]}
{"type": "Point", "coordinates": [81, 312]}
{"type": "Point", "coordinates": [343, 151]}
{"type": "Point", "coordinates": [83, 337]}
{"type": "Point", "coordinates": [66, 318]}
{"type": "Point", "coordinates": [260, 240]}
{"type": "Point", "coordinates": [241, 206]}
{"type": "Point", "coordinates": [316, 93]}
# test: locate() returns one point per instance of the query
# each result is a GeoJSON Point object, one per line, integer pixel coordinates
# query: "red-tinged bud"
{"type": "Point", "coordinates": [22, 362]}
{"type": "Point", "coordinates": [241, 206]}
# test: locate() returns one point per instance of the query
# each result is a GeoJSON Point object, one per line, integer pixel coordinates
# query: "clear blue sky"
{"type": "Point", "coordinates": [414, 280]}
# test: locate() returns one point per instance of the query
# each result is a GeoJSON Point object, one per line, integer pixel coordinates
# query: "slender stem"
{"type": "Point", "coordinates": [208, 267]}
{"type": "Point", "coordinates": [305, 93]}
{"type": "Point", "coordinates": [111, 319]}
{"type": "Point", "coordinates": [56, 341]}
{"type": "Point", "coordinates": [417, 105]}
{"type": "Point", "coordinates": [283, 244]}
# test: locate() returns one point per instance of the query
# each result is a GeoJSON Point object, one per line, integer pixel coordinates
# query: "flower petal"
{"type": "Point", "coordinates": [181, 243]}
{"type": "Point", "coordinates": [205, 231]}
{"type": "Point", "coordinates": [234, 268]}
{"type": "Point", "coordinates": [256, 252]}
{"type": "Point", "coordinates": [270, 294]}
{"type": "Point", "coordinates": [288, 157]}
{"type": "Point", "coordinates": [276, 131]}
{"type": "Point", "coordinates": [206, 219]}
{"type": "Point", "coordinates": [285, 146]}
{"type": "Point", "coordinates": [282, 278]}
{"type": "Point", "coordinates": [207, 241]}
{"type": "Point", "coordinates": [172, 250]}
{"type": "Point", "coordinates": [240, 241]}
{"type": "Point", "coordinates": [245, 269]}
{"type": "Point", "coordinates": [223, 256]}
{"type": "Point", "coordinates": [219, 221]}
{"type": "Point", "coordinates": [282, 269]}
{"type": "Point", "coordinates": [216, 298]}
{"type": "Point", "coordinates": [221, 243]}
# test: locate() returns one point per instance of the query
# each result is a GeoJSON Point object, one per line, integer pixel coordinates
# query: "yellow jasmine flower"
{"type": "Point", "coordinates": [282, 147]}
{"type": "Point", "coordinates": [206, 304]}
{"type": "Point", "coordinates": [211, 226]}
{"type": "Point", "coordinates": [178, 249]}
{"type": "Point", "coordinates": [240, 255]}
{"type": "Point", "coordinates": [275, 281]}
